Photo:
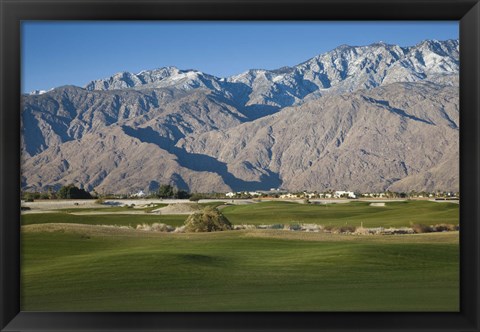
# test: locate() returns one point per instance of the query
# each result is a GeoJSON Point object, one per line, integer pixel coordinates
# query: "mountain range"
{"type": "Point", "coordinates": [364, 118]}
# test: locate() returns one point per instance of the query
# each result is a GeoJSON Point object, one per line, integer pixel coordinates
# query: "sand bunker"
{"type": "Point", "coordinates": [178, 208]}
{"type": "Point", "coordinates": [377, 204]}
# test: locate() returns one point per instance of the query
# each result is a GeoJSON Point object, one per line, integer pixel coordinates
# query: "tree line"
{"type": "Point", "coordinates": [66, 192]}
{"type": "Point", "coordinates": [73, 192]}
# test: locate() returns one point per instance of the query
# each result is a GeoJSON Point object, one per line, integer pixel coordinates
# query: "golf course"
{"type": "Point", "coordinates": [96, 259]}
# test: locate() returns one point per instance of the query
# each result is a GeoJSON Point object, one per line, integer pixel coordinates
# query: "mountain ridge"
{"type": "Point", "coordinates": [177, 117]}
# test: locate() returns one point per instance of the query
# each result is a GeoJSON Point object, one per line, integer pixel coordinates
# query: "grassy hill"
{"type": "Point", "coordinates": [81, 266]}
{"type": "Point", "coordinates": [77, 270]}
{"type": "Point", "coordinates": [395, 214]}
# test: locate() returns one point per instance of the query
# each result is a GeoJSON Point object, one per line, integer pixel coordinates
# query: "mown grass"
{"type": "Point", "coordinates": [102, 219]}
{"type": "Point", "coordinates": [112, 209]}
{"type": "Point", "coordinates": [394, 214]}
{"type": "Point", "coordinates": [232, 271]}
{"type": "Point", "coordinates": [75, 270]}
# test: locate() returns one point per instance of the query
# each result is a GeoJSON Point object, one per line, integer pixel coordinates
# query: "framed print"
{"type": "Point", "coordinates": [237, 165]}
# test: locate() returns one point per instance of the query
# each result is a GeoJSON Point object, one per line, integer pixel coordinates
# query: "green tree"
{"type": "Point", "coordinates": [182, 194]}
{"type": "Point", "coordinates": [29, 196]}
{"type": "Point", "coordinates": [195, 197]}
{"type": "Point", "coordinates": [72, 192]}
{"type": "Point", "coordinates": [165, 191]}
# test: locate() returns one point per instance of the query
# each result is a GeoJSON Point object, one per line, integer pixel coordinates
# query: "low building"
{"type": "Point", "coordinates": [289, 195]}
{"type": "Point", "coordinates": [379, 195]}
{"type": "Point", "coordinates": [140, 194]}
{"type": "Point", "coordinates": [341, 193]}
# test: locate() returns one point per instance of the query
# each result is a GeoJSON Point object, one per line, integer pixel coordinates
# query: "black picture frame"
{"type": "Point", "coordinates": [467, 12]}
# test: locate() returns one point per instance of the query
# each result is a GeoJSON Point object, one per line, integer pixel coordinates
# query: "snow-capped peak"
{"type": "Point", "coordinates": [39, 92]}
{"type": "Point", "coordinates": [343, 69]}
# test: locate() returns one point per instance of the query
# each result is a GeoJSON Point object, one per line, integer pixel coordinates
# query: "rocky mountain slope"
{"type": "Point", "coordinates": [367, 140]}
{"type": "Point", "coordinates": [363, 118]}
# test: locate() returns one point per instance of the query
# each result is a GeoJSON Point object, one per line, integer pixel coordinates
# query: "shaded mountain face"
{"type": "Point", "coordinates": [364, 141]}
{"type": "Point", "coordinates": [365, 118]}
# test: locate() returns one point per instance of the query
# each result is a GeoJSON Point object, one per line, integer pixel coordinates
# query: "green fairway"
{"type": "Point", "coordinates": [393, 214]}
{"type": "Point", "coordinates": [70, 263]}
{"type": "Point", "coordinates": [85, 270]}
{"type": "Point", "coordinates": [113, 209]}
{"type": "Point", "coordinates": [103, 219]}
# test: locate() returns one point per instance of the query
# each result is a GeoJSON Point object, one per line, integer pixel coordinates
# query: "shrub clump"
{"type": "Point", "coordinates": [347, 229]}
{"type": "Point", "coordinates": [444, 228]}
{"type": "Point", "coordinates": [329, 228]}
{"type": "Point", "coordinates": [277, 226]}
{"type": "Point", "coordinates": [295, 227]}
{"type": "Point", "coordinates": [156, 227]}
{"type": "Point", "coordinates": [421, 228]}
{"type": "Point", "coordinates": [100, 201]}
{"type": "Point", "coordinates": [207, 220]}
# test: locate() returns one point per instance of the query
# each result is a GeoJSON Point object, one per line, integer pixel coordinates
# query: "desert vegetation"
{"type": "Point", "coordinates": [207, 220]}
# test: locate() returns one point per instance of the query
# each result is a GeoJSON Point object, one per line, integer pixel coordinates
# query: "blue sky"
{"type": "Point", "coordinates": [60, 53]}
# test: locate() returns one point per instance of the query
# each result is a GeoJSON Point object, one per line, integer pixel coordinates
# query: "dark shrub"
{"type": "Point", "coordinates": [444, 227]}
{"type": "Point", "coordinates": [421, 228]}
{"type": "Point", "coordinates": [295, 227]}
{"type": "Point", "coordinates": [346, 229]}
{"type": "Point", "coordinates": [196, 197]}
{"type": "Point", "coordinates": [182, 194]}
{"type": "Point", "coordinates": [277, 226]}
{"type": "Point", "coordinates": [340, 229]}
{"type": "Point", "coordinates": [329, 228]}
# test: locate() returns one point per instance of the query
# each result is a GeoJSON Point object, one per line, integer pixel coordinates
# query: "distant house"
{"type": "Point", "coordinates": [341, 193]}
{"type": "Point", "coordinates": [230, 194]}
{"type": "Point", "coordinates": [139, 194]}
{"type": "Point", "coordinates": [324, 195]}
{"type": "Point", "coordinates": [381, 195]}
{"type": "Point", "coordinates": [288, 196]}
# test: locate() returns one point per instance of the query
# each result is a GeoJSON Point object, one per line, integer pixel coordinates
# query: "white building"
{"type": "Point", "coordinates": [340, 193]}
{"type": "Point", "coordinates": [230, 194]}
{"type": "Point", "coordinates": [288, 196]}
{"type": "Point", "coordinates": [381, 195]}
{"type": "Point", "coordinates": [139, 194]}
